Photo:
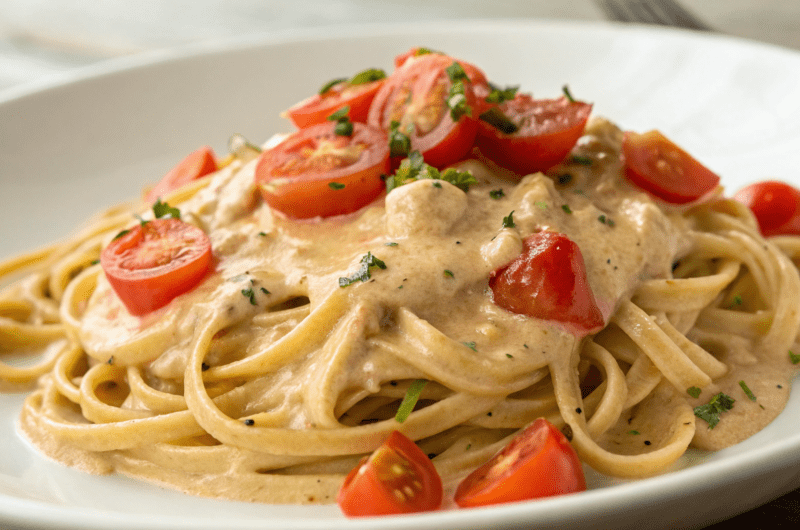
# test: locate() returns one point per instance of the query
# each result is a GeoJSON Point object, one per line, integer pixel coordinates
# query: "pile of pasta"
{"type": "Point", "coordinates": [270, 380]}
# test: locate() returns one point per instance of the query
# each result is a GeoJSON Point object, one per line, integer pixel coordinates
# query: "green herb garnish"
{"type": "Point", "coordinates": [566, 208]}
{"type": "Point", "coordinates": [162, 210]}
{"type": "Point", "coordinates": [471, 345]}
{"type": "Point", "coordinates": [410, 400]}
{"type": "Point", "coordinates": [414, 168]}
{"type": "Point", "coordinates": [336, 185]}
{"type": "Point", "coordinates": [367, 76]}
{"type": "Point", "coordinates": [747, 391]}
{"type": "Point", "coordinates": [694, 391]}
{"type": "Point", "coordinates": [499, 121]}
{"type": "Point", "coordinates": [343, 127]}
{"type": "Point", "coordinates": [125, 232]}
{"type": "Point", "coordinates": [330, 84]}
{"type": "Point", "coordinates": [567, 93]}
{"type": "Point", "coordinates": [794, 357]}
{"type": "Point", "coordinates": [449, 273]}
{"type": "Point", "coordinates": [249, 293]}
{"type": "Point", "coordinates": [711, 411]}
{"type": "Point", "coordinates": [508, 220]}
{"type": "Point", "coordinates": [497, 194]}
{"type": "Point", "coordinates": [363, 272]}
{"type": "Point", "coordinates": [399, 142]}
{"type": "Point", "coordinates": [499, 95]}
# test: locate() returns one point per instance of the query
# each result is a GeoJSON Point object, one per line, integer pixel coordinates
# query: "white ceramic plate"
{"type": "Point", "coordinates": [70, 149]}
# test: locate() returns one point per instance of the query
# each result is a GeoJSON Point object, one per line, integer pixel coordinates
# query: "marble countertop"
{"type": "Point", "coordinates": [40, 39]}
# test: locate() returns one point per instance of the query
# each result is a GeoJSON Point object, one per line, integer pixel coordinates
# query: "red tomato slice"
{"type": "Point", "coordinates": [397, 478]}
{"type": "Point", "coordinates": [416, 95]}
{"type": "Point", "coordinates": [317, 173]}
{"type": "Point", "coordinates": [539, 462]}
{"type": "Point", "coordinates": [664, 170]}
{"type": "Point", "coordinates": [318, 107]}
{"type": "Point", "coordinates": [776, 206]}
{"type": "Point", "coordinates": [547, 130]}
{"type": "Point", "coordinates": [548, 281]}
{"type": "Point", "coordinates": [153, 263]}
{"type": "Point", "coordinates": [198, 164]}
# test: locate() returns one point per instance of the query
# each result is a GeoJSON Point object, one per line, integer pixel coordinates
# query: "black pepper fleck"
{"type": "Point", "coordinates": [204, 367]}
{"type": "Point", "coordinates": [249, 422]}
{"type": "Point", "coordinates": [647, 442]}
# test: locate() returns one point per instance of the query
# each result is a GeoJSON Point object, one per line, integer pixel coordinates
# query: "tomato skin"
{"type": "Point", "coordinates": [294, 177]}
{"type": "Point", "coordinates": [197, 164]}
{"type": "Point", "coordinates": [539, 462]}
{"type": "Point", "coordinates": [374, 487]}
{"type": "Point", "coordinates": [658, 166]}
{"type": "Point", "coordinates": [548, 130]}
{"type": "Point", "coordinates": [416, 94]}
{"type": "Point", "coordinates": [776, 206]}
{"type": "Point", "coordinates": [318, 107]}
{"type": "Point", "coordinates": [548, 281]}
{"type": "Point", "coordinates": [153, 263]}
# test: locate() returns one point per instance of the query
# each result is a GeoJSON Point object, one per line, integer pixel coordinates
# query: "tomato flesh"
{"type": "Point", "coordinates": [197, 164]}
{"type": "Point", "coordinates": [416, 97]}
{"type": "Point", "coordinates": [318, 107]}
{"type": "Point", "coordinates": [547, 130]}
{"type": "Point", "coordinates": [776, 206]}
{"type": "Point", "coordinates": [153, 263]}
{"type": "Point", "coordinates": [397, 478]}
{"type": "Point", "coordinates": [539, 462]}
{"type": "Point", "coordinates": [548, 281]}
{"type": "Point", "coordinates": [317, 173]}
{"type": "Point", "coordinates": [658, 166]}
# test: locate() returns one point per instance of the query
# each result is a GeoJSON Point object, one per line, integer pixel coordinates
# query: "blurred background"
{"type": "Point", "coordinates": [46, 39]}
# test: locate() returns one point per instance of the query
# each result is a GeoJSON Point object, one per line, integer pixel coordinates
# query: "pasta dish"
{"type": "Point", "coordinates": [318, 324]}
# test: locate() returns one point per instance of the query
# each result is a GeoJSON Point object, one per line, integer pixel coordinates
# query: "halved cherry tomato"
{"type": "Point", "coordinates": [315, 172]}
{"type": "Point", "coordinates": [416, 96]}
{"type": "Point", "coordinates": [664, 170]}
{"type": "Point", "coordinates": [548, 281]}
{"type": "Point", "coordinates": [539, 462]}
{"type": "Point", "coordinates": [198, 164]}
{"type": "Point", "coordinates": [776, 206]}
{"type": "Point", "coordinates": [397, 478]}
{"type": "Point", "coordinates": [318, 107]}
{"type": "Point", "coordinates": [154, 262]}
{"type": "Point", "coordinates": [542, 132]}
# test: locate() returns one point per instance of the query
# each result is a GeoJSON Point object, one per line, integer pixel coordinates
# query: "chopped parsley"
{"type": "Point", "coordinates": [580, 159]}
{"type": "Point", "coordinates": [567, 93]}
{"type": "Point", "coordinates": [125, 232]}
{"type": "Point", "coordinates": [456, 98]}
{"type": "Point", "coordinates": [747, 391]}
{"type": "Point", "coordinates": [634, 432]}
{"type": "Point", "coordinates": [399, 142]}
{"type": "Point", "coordinates": [500, 95]}
{"type": "Point", "coordinates": [711, 411]}
{"type": "Point", "coordinates": [449, 273]}
{"type": "Point", "coordinates": [162, 210]}
{"type": "Point", "coordinates": [471, 345]}
{"type": "Point", "coordinates": [343, 127]}
{"type": "Point", "coordinates": [566, 208]}
{"type": "Point", "coordinates": [249, 293]}
{"type": "Point", "coordinates": [794, 357]}
{"type": "Point", "coordinates": [497, 194]}
{"type": "Point", "coordinates": [499, 121]}
{"type": "Point", "coordinates": [509, 356]}
{"type": "Point", "coordinates": [694, 391]}
{"type": "Point", "coordinates": [606, 220]}
{"type": "Point", "coordinates": [410, 400]}
{"type": "Point", "coordinates": [363, 272]}
{"type": "Point", "coordinates": [541, 205]}
{"type": "Point", "coordinates": [737, 300]}
{"type": "Point", "coordinates": [366, 76]}
{"type": "Point", "coordinates": [390, 244]}
{"type": "Point", "coordinates": [336, 185]}
{"type": "Point", "coordinates": [414, 168]}
{"type": "Point", "coordinates": [508, 221]}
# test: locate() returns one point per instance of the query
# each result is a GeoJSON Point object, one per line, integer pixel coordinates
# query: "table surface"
{"type": "Point", "coordinates": [43, 40]}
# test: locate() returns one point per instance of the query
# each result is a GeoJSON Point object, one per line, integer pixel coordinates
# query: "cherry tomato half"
{"type": "Point", "coordinates": [417, 96]}
{"type": "Point", "coordinates": [151, 264]}
{"type": "Point", "coordinates": [315, 172]}
{"type": "Point", "coordinates": [542, 132]}
{"type": "Point", "coordinates": [539, 462]}
{"type": "Point", "coordinates": [397, 478]}
{"type": "Point", "coordinates": [198, 164]}
{"type": "Point", "coordinates": [548, 281]}
{"type": "Point", "coordinates": [776, 206]}
{"type": "Point", "coordinates": [664, 170]}
{"type": "Point", "coordinates": [318, 107]}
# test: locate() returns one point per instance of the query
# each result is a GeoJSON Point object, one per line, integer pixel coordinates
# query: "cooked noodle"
{"type": "Point", "coordinates": [693, 297]}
